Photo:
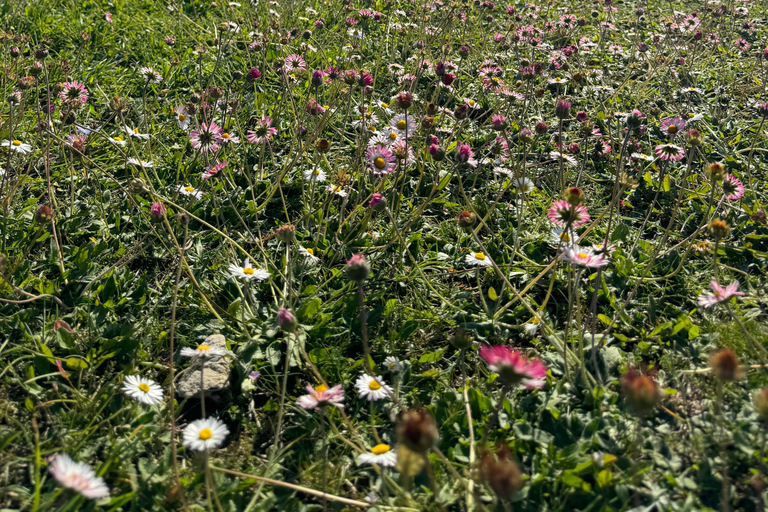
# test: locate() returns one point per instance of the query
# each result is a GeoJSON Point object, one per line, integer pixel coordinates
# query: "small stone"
{"type": "Point", "coordinates": [216, 376]}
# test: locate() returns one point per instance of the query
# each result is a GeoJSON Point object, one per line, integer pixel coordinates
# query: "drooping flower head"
{"type": "Point", "coordinates": [564, 214]}
{"type": "Point", "coordinates": [732, 187]}
{"type": "Point", "coordinates": [513, 367]}
{"type": "Point", "coordinates": [669, 152]}
{"type": "Point", "coordinates": [584, 257]}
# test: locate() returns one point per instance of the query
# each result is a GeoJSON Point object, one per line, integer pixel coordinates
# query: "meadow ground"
{"type": "Point", "coordinates": [387, 255]}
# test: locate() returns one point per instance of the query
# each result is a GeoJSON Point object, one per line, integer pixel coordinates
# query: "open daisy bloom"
{"type": "Point", "coordinates": [669, 152]}
{"type": "Point", "coordinates": [719, 294]}
{"type": "Point", "coordinates": [78, 477]}
{"type": "Point", "coordinates": [478, 259]}
{"type": "Point", "coordinates": [381, 454]}
{"type": "Point", "coordinates": [205, 351]}
{"type": "Point", "coordinates": [247, 272]}
{"type": "Point", "coordinates": [315, 175]}
{"type": "Point", "coordinates": [134, 132]}
{"type": "Point", "coordinates": [207, 434]}
{"type": "Point", "coordinates": [513, 367]}
{"type": "Point", "coordinates": [141, 163]}
{"type": "Point", "coordinates": [672, 126]}
{"type": "Point", "coordinates": [73, 93]}
{"type": "Point", "coordinates": [564, 214]}
{"type": "Point", "coordinates": [380, 160]}
{"type": "Point", "coordinates": [309, 255]}
{"type": "Point", "coordinates": [17, 146]}
{"type": "Point", "coordinates": [189, 191]}
{"type": "Point", "coordinates": [732, 187]}
{"type": "Point", "coordinates": [207, 138]}
{"type": "Point", "coordinates": [144, 390]}
{"type": "Point", "coordinates": [372, 388]}
{"type": "Point", "coordinates": [584, 257]}
{"type": "Point", "coordinates": [182, 118]}
{"type": "Point", "coordinates": [393, 364]}
{"type": "Point", "coordinates": [322, 396]}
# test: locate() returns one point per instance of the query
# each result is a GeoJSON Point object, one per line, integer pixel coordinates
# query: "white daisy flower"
{"type": "Point", "coordinates": [141, 163]}
{"type": "Point", "coordinates": [335, 189]}
{"type": "Point", "coordinates": [205, 351]}
{"type": "Point", "coordinates": [309, 255]}
{"type": "Point", "coordinates": [315, 175]}
{"type": "Point", "coordinates": [524, 186]}
{"type": "Point", "coordinates": [207, 434]}
{"type": "Point", "coordinates": [182, 118]}
{"type": "Point", "coordinates": [559, 236]}
{"type": "Point", "coordinates": [134, 132]}
{"type": "Point", "coordinates": [78, 477]}
{"type": "Point", "coordinates": [381, 454]}
{"type": "Point", "coordinates": [478, 259]}
{"type": "Point", "coordinates": [393, 364]}
{"type": "Point", "coordinates": [568, 159]}
{"type": "Point", "coordinates": [532, 327]}
{"type": "Point", "coordinates": [118, 140]}
{"type": "Point", "coordinates": [247, 272]}
{"type": "Point", "coordinates": [356, 32]}
{"type": "Point", "coordinates": [640, 156]}
{"type": "Point", "coordinates": [372, 388]}
{"type": "Point", "coordinates": [144, 390]}
{"type": "Point", "coordinates": [17, 146]}
{"type": "Point", "coordinates": [189, 191]}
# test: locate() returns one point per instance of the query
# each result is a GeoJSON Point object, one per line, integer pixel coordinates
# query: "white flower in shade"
{"type": "Point", "coordinates": [205, 351]}
{"type": "Point", "coordinates": [478, 259]}
{"type": "Point", "coordinates": [182, 118]}
{"type": "Point", "coordinates": [151, 76]}
{"type": "Point", "coordinates": [315, 175]}
{"type": "Point", "coordinates": [337, 190]}
{"type": "Point", "coordinates": [118, 141]}
{"type": "Point", "coordinates": [144, 390]}
{"type": "Point", "coordinates": [641, 156]}
{"type": "Point", "coordinates": [372, 388]}
{"type": "Point", "coordinates": [531, 327]}
{"type": "Point", "coordinates": [134, 132]}
{"type": "Point", "coordinates": [78, 477]}
{"type": "Point", "coordinates": [393, 364]}
{"type": "Point", "coordinates": [558, 236]}
{"type": "Point", "coordinates": [17, 146]}
{"type": "Point", "coordinates": [567, 159]}
{"type": "Point", "coordinates": [524, 186]}
{"type": "Point", "coordinates": [381, 454]}
{"type": "Point", "coordinates": [189, 191]}
{"type": "Point", "coordinates": [207, 434]}
{"type": "Point", "coordinates": [141, 163]}
{"type": "Point", "coordinates": [309, 255]}
{"type": "Point", "coordinates": [247, 272]}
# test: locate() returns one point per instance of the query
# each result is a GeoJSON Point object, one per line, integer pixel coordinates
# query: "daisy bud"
{"type": "Point", "coordinates": [15, 52]}
{"type": "Point", "coordinates": [499, 122]}
{"type": "Point", "coordinates": [461, 339]}
{"type": "Point", "coordinates": [563, 109]}
{"type": "Point", "coordinates": [438, 153]}
{"type": "Point", "coordinates": [758, 217]}
{"type": "Point", "coordinates": [431, 109]}
{"type": "Point", "coordinates": [635, 119]}
{"type": "Point", "coordinates": [41, 53]}
{"type": "Point", "coordinates": [36, 69]}
{"type": "Point", "coordinates": [461, 111]}
{"type": "Point", "coordinates": [694, 137]}
{"type": "Point", "coordinates": [761, 403]}
{"type": "Point", "coordinates": [404, 99]}
{"type": "Point", "coordinates": [427, 123]}
{"type": "Point", "coordinates": [44, 214]}
{"type": "Point", "coordinates": [215, 93]}
{"type": "Point", "coordinates": [287, 320]}
{"type": "Point", "coordinates": [323, 145]}
{"type": "Point", "coordinates": [157, 212]}
{"type": "Point", "coordinates": [377, 201]}
{"type": "Point", "coordinates": [640, 391]}
{"type": "Point", "coordinates": [525, 136]}
{"type": "Point", "coordinates": [715, 171]}
{"type": "Point", "coordinates": [577, 77]}
{"type": "Point", "coordinates": [643, 47]}
{"type": "Point", "coordinates": [169, 41]}
{"type": "Point", "coordinates": [357, 268]}
{"type": "Point", "coordinates": [448, 78]}
{"type": "Point", "coordinates": [719, 229]}
{"type": "Point", "coordinates": [464, 52]}
{"type": "Point", "coordinates": [306, 35]}
{"type": "Point", "coordinates": [539, 93]}
{"type": "Point", "coordinates": [432, 139]}
{"type": "Point", "coordinates": [440, 69]}
{"type": "Point", "coordinates": [350, 76]}
{"type": "Point", "coordinates": [574, 196]}
{"type": "Point", "coordinates": [466, 220]}
{"type": "Point", "coordinates": [286, 233]}
{"type": "Point", "coordinates": [541, 127]}
{"type": "Point", "coordinates": [725, 365]}
{"type": "Point", "coordinates": [574, 148]}
{"type": "Point", "coordinates": [317, 78]}
{"type": "Point", "coordinates": [237, 75]}
{"type": "Point", "coordinates": [762, 109]}
{"type": "Point", "coordinates": [183, 219]}
{"type": "Point", "coordinates": [501, 473]}
{"type": "Point", "coordinates": [417, 430]}
{"type": "Point", "coordinates": [581, 116]}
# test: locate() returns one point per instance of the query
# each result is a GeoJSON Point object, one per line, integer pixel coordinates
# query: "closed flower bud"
{"type": "Point", "coordinates": [44, 214]}
{"type": "Point", "coordinates": [137, 186]}
{"type": "Point", "coordinates": [317, 78]}
{"type": "Point", "coordinates": [501, 473]}
{"type": "Point", "coordinates": [417, 430]}
{"type": "Point", "coordinates": [461, 339]}
{"type": "Point", "coordinates": [574, 196]}
{"type": "Point", "coordinates": [719, 229]}
{"type": "Point", "coordinates": [640, 391]}
{"type": "Point", "coordinates": [466, 220]}
{"type": "Point", "coordinates": [427, 123]}
{"type": "Point", "coordinates": [36, 69]}
{"type": "Point", "coordinates": [357, 268]}
{"type": "Point", "coordinates": [287, 320]}
{"type": "Point", "coordinates": [157, 212]}
{"type": "Point", "coordinates": [762, 109]}
{"type": "Point", "coordinates": [27, 82]}
{"type": "Point", "coordinates": [117, 104]}
{"type": "Point", "coordinates": [461, 111]}
{"type": "Point", "coordinates": [563, 109]}
{"type": "Point", "coordinates": [437, 153]}
{"type": "Point", "coordinates": [404, 99]}
{"type": "Point", "coordinates": [252, 75]}
{"type": "Point", "coordinates": [464, 52]}
{"type": "Point", "coordinates": [694, 137]}
{"type": "Point", "coordinates": [15, 52]}
{"type": "Point", "coordinates": [286, 233]}
{"type": "Point", "coordinates": [525, 136]}
{"type": "Point", "coordinates": [725, 365]}
{"type": "Point", "coordinates": [761, 403]}
{"type": "Point", "coordinates": [41, 53]}
{"type": "Point", "coordinates": [323, 145]}
{"type": "Point", "coordinates": [431, 109]}
{"type": "Point", "coordinates": [377, 201]}
{"type": "Point", "coordinates": [715, 171]}
{"type": "Point", "coordinates": [581, 116]}
{"type": "Point", "coordinates": [541, 127]}
{"type": "Point", "coordinates": [237, 75]}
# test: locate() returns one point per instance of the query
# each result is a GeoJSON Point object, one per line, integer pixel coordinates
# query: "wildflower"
{"type": "Point", "coordinates": [44, 214]}
{"type": "Point", "coordinates": [151, 76]}
{"type": "Point", "coordinates": [560, 157]}
{"type": "Point", "coordinates": [404, 99]}
{"type": "Point", "coordinates": [719, 294]}
{"type": "Point", "coordinates": [263, 132]}
{"type": "Point", "coordinates": [461, 339]}
{"type": "Point", "coordinates": [78, 477]}
{"type": "Point", "coordinates": [252, 75]}
{"type": "Point", "coordinates": [207, 138]}
{"type": "Point", "coordinates": [141, 163]}
{"type": "Point", "coordinates": [478, 259]}
{"type": "Point", "coordinates": [204, 351]}
{"type": "Point", "coordinates": [189, 191]}
{"type": "Point", "coordinates": [393, 364]}
{"type": "Point", "coordinates": [182, 118]}
{"type": "Point", "coordinates": [157, 212]}
{"type": "Point", "coordinates": [205, 434]}
{"type": "Point", "coordinates": [564, 214]}
{"type": "Point", "coordinates": [377, 201]}
{"type": "Point", "coordinates": [513, 367]}
{"type": "Point", "coordinates": [501, 473]}
{"type": "Point", "coordinates": [524, 186]}
{"type": "Point", "coordinates": [294, 62]}
{"type": "Point", "coordinates": [309, 255]}
{"type": "Point", "coordinates": [372, 388]}
{"type": "Point", "coordinates": [464, 155]}
{"type": "Point", "coordinates": [403, 123]}
{"type": "Point", "coordinates": [583, 257]}
{"type": "Point", "coordinates": [672, 125]}
{"type": "Point", "coordinates": [417, 430]}
{"type": "Point", "coordinates": [315, 175]}
{"type": "Point", "coordinates": [381, 454]}
{"type": "Point", "coordinates": [725, 365]}
{"type": "Point", "coordinates": [336, 190]}
{"type": "Point", "coordinates": [213, 170]}
{"type": "Point", "coordinates": [732, 187]}
{"type": "Point", "coordinates": [118, 140]}
{"type": "Point", "coordinates": [719, 229]}
{"type": "Point", "coordinates": [466, 220]}
{"type": "Point", "coordinates": [669, 152]}
{"type": "Point", "coordinates": [247, 272]}
{"type": "Point", "coordinates": [640, 391]}
{"type": "Point", "coordinates": [73, 93]}
{"type": "Point", "coordinates": [17, 146]}
{"type": "Point", "coordinates": [499, 122]}
{"type": "Point", "coordinates": [380, 160]}
{"type": "Point", "coordinates": [144, 390]}
{"type": "Point", "coordinates": [286, 233]}
{"type": "Point", "coordinates": [357, 268]}
{"type": "Point", "coordinates": [287, 320]}
{"type": "Point", "coordinates": [563, 109]}
{"type": "Point", "coordinates": [134, 132]}
{"type": "Point", "coordinates": [321, 396]}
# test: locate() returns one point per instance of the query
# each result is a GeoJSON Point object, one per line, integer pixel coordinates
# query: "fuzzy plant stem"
{"type": "Point", "coordinates": [364, 327]}
{"type": "Point", "coordinates": [283, 391]}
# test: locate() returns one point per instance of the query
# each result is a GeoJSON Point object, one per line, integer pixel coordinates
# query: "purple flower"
{"type": "Point", "coordinates": [380, 160]}
{"type": "Point", "coordinates": [464, 155]}
{"type": "Point", "coordinates": [253, 75]}
{"type": "Point", "coordinates": [207, 138]}
{"type": "Point", "coordinates": [732, 187]}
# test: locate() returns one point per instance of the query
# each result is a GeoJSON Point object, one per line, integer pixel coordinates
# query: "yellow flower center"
{"type": "Point", "coordinates": [119, 137]}
{"type": "Point", "coordinates": [374, 385]}
{"type": "Point", "coordinates": [225, 135]}
{"type": "Point", "coordinates": [136, 131]}
{"type": "Point", "coordinates": [379, 163]}
{"type": "Point", "coordinates": [371, 128]}
{"type": "Point", "coordinates": [248, 271]}
{"type": "Point", "coordinates": [189, 189]}
{"type": "Point", "coordinates": [321, 388]}
{"type": "Point", "coordinates": [380, 449]}
{"type": "Point", "coordinates": [310, 251]}
{"type": "Point", "coordinates": [583, 255]}
{"type": "Point", "coordinates": [17, 143]}
{"type": "Point", "coordinates": [535, 321]}
{"type": "Point", "coordinates": [337, 189]}
{"type": "Point", "coordinates": [672, 129]}
{"type": "Point", "coordinates": [384, 105]}
{"type": "Point", "coordinates": [203, 348]}
{"type": "Point", "coordinates": [401, 124]}
{"type": "Point", "coordinates": [479, 256]}
{"type": "Point", "coordinates": [182, 117]}
{"type": "Point", "coordinates": [565, 237]}
{"type": "Point", "coordinates": [392, 136]}
{"type": "Point", "coordinates": [557, 79]}
{"type": "Point", "coordinates": [717, 293]}
{"type": "Point", "coordinates": [144, 387]}
{"type": "Point", "coordinates": [326, 107]}
{"type": "Point", "coordinates": [205, 434]}
{"type": "Point", "coordinates": [471, 103]}
{"type": "Point", "coordinates": [691, 114]}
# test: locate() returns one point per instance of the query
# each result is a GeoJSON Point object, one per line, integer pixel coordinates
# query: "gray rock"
{"type": "Point", "coordinates": [216, 375]}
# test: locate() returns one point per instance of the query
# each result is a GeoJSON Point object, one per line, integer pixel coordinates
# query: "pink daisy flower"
{"type": "Point", "coordinates": [719, 294]}
{"type": "Point", "coordinates": [669, 152]}
{"type": "Point", "coordinates": [213, 170]}
{"type": "Point", "coordinates": [263, 132]}
{"type": "Point", "coordinates": [465, 155]}
{"type": "Point", "coordinates": [513, 367]}
{"type": "Point", "coordinates": [564, 214]}
{"type": "Point", "coordinates": [732, 187]}
{"type": "Point", "coordinates": [74, 93]}
{"type": "Point", "coordinates": [321, 396]}
{"type": "Point", "coordinates": [672, 126]}
{"type": "Point", "coordinates": [584, 257]}
{"type": "Point", "coordinates": [207, 138]}
{"type": "Point", "coordinates": [380, 160]}
{"type": "Point", "coordinates": [294, 62]}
